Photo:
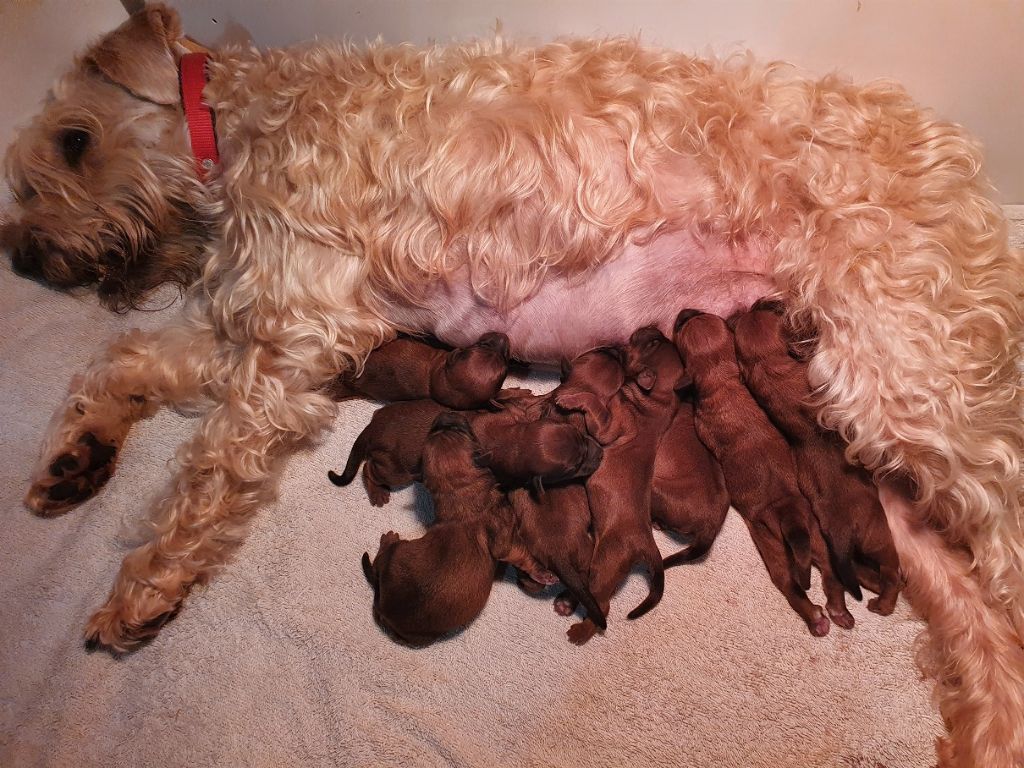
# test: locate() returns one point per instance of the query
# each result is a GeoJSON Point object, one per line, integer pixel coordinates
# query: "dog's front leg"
{"type": "Point", "coordinates": [138, 373]}
{"type": "Point", "coordinates": [268, 406]}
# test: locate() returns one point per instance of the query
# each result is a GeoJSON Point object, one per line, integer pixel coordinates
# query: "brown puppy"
{"type": "Point", "coordinates": [517, 451]}
{"type": "Point", "coordinates": [755, 459]}
{"type": "Point", "coordinates": [842, 496]}
{"type": "Point", "coordinates": [391, 446]}
{"type": "Point", "coordinates": [426, 588]}
{"type": "Point", "coordinates": [554, 527]}
{"type": "Point", "coordinates": [688, 494]}
{"type": "Point", "coordinates": [407, 369]}
{"type": "Point", "coordinates": [628, 423]}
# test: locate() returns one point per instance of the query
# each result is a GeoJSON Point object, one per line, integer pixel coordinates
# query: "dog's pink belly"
{"type": "Point", "coordinates": [645, 285]}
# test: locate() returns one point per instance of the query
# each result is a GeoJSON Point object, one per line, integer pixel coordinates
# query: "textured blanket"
{"type": "Point", "coordinates": [278, 661]}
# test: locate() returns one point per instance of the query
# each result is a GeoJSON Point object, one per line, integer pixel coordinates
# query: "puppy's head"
{"type": "Point", "coordinates": [600, 370]}
{"type": "Point", "coordinates": [542, 453]}
{"type": "Point", "coordinates": [470, 377]}
{"type": "Point", "coordinates": [653, 363]}
{"type": "Point", "coordinates": [103, 179]}
{"type": "Point", "coordinates": [701, 336]}
{"type": "Point", "coordinates": [429, 587]}
{"type": "Point", "coordinates": [759, 335]}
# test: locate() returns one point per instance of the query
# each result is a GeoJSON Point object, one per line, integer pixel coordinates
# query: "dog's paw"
{"type": "Point", "coordinates": [580, 632]}
{"type": "Point", "coordinates": [123, 624]}
{"type": "Point", "coordinates": [76, 473]}
{"type": "Point", "coordinates": [571, 401]}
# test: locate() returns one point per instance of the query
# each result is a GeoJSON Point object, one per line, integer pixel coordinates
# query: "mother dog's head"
{"type": "Point", "coordinates": [103, 179]}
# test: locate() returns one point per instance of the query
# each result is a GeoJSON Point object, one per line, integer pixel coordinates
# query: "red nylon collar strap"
{"type": "Point", "coordinates": [198, 116]}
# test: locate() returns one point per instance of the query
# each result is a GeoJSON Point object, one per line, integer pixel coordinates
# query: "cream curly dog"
{"type": "Point", "coordinates": [564, 195]}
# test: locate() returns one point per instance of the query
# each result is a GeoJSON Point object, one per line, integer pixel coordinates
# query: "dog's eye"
{"type": "Point", "coordinates": [73, 143]}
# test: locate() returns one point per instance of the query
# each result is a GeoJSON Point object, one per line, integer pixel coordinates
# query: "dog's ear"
{"type": "Point", "coordinates": [139, 55]}
{"type": "Point", "coordinates": [646, 379]}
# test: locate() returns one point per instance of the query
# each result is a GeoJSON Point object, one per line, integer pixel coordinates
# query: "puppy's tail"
{"type": "Point", "coordinates": [654, 564]}
{"type": "Point", "coordinates": [574, 582]}
{"type": "Point", "coordinates": [355, 458]}
{"type": "Point", "coordinates": [695, 551]}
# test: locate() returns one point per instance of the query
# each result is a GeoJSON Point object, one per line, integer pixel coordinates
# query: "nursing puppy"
{"type": "Point", "coordinates": [755, 459]}
{"type": "Point", "coordinates": [842, 496]}
{"type": "Point", "coordinates": [688, 493]}
{"type": "Point", "coordinates": [628, 423]}
{"type": "Point", "coordinates": [407, 369]}
{"type": "Point", "coordinates": [390, 448]}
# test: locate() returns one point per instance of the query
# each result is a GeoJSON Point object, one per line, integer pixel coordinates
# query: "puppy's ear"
{"type": "Point", "coordinates": [646, 379]}
{"type": "Point", "coordinates": [139, 55]}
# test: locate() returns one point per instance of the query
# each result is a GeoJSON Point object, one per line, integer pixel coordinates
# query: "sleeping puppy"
{"type": "Point", "coordinates": [434, 585]}
{"type": "Point", "coordinates": [755, 459]}
{"type": "Point", "coordinates": [391, 446]}
{"type": "Point", "coordinates": [407, 369]}
{"type": "Point", "coordinates": [533, 451]}
{"type": "Point", "coordinates": [688, 495]}
{"type": "Point", "coordinates": [628, 423]}
{"type": "Point", "coordinates": [842, 496]}
{"type": "Point", "coordinates": [554, 527]}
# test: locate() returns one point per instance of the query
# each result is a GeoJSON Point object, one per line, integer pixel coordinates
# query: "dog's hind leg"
{"type": "Point", "coordinates": [138, 373]}
{"type": "Point", "coordinates": [975, 654]}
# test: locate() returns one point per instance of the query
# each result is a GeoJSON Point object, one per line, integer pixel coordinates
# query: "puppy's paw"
{"type": "Point", "coordinates": [565, 604]}
{"type": "Point", "coordinates": [571, 401]}
{"type": "Point", "coordinates": [378, 495]}
{"type": "Point", "coordinates": [580, 632]}
{"type": "Point", "coordinates": [881, 607]}
{"type": "Point", "coordinates": [819, 624]}
{"type": "Point", "coordinates": [77, 472]}
{"type": "Point", "coordinates": [841, 616]}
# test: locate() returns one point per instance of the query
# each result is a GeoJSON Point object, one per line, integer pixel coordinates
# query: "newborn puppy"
{"type": "Point", "coordinates": [434, 585]}
{"type": "Point", "coordinates": [391, 446]}
{"type": "Point", "coordinates": [554, 527]}
{"type": "Point", "coordinates": [842, 496]}
{"type": "Point", "coordinates": [688, 494]}
{"type": "Point", "coordinates": [755, 458]}
{"type": "Point", "coordinates": [628, 423]}
{"type": "Point", "coordinates": [430, 586]}
{"type": "Point", "coordinates": [407, 369]}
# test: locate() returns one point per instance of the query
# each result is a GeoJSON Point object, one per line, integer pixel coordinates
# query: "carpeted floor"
{"type": "Point", "coordinates": [278, 662]}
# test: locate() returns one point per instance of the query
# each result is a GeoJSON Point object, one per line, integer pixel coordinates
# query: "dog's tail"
{"type": "Point", "coordinates": [657, 570]}
{"type": "Point", "coordinates": [355, 459]}
{"type": "Point", "coordinates": [577, 586]}
{"type": "Point", "coordinates": [694, 551]}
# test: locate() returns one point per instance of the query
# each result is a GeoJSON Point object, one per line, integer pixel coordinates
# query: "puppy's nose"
{"type": "Point", "coordinates": [497, 341]}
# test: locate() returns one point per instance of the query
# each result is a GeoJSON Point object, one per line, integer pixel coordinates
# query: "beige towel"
{"type": "Point", "coordinates": [278, 661]}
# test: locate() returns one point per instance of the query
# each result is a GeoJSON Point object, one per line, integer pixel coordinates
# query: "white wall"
{"type": "Point", "coordinates": [965, 58]}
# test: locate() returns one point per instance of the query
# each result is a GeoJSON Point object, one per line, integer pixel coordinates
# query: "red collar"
{"type": "Point", "coordinates": [198, 116]}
